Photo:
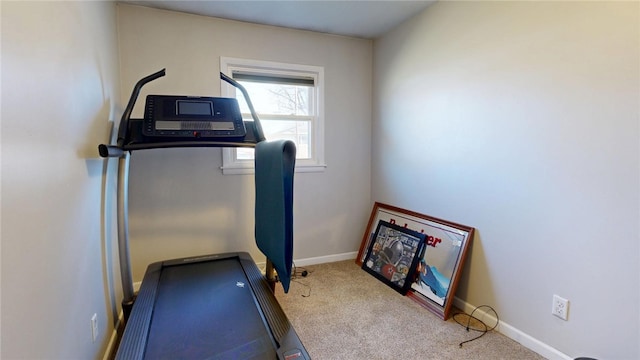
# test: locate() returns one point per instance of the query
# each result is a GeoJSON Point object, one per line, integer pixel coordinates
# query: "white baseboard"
{"type": "Point", "coordinates": [512, 333]}
{"type": "Point", "coordinates": [111, 347]}
{"type": "Point", "coordinates": [326, 259]}
{"type": "Point", "coordinates": [318, 260]}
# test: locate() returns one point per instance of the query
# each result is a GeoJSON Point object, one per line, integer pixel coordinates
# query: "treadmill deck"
{"type": "Point", "coordinates": [208, 307]}
{"type": "Point", "coordinates": [206, 310]}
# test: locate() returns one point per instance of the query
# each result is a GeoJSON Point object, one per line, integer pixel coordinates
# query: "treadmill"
{"type": "Point", "coordinates": [216, 306]}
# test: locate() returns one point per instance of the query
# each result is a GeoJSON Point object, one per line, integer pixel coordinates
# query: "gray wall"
{"type": "Point", "coordinates": [522, 120]}
{"type": "Point", "coordinates": [180, 203]}
{"type": "Point", "coordinates": [59, 91]}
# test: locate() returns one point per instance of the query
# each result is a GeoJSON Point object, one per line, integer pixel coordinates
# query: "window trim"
{"type": "Point", "coordinates": [232, 166]}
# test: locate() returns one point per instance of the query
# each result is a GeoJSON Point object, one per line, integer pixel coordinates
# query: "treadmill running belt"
{"type": "Point", "coordinates": [206, 310]}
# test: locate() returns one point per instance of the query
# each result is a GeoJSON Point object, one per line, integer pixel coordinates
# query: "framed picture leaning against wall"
{"type": "Point", "coordinates": [392, 256]}
{"type": "Point", "coordinates": [440, 260]}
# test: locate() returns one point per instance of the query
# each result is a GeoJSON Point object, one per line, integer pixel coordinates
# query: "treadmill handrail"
{"type": "Point", "coordinates": [257, 126]}
{"type": "Point", "coordinates": [126, 115]}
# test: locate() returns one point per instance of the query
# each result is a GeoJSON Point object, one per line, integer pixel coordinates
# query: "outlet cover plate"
{"type": "Point", "coordinates": [560, 307]}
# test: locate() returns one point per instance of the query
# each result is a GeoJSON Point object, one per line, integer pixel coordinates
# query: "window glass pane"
{"type": "Point", "coordinates": [277, 99]}
{"type": "Point", "coordinates": [244, 154]}
{"type": "Point", "coordinates": [297, 131]}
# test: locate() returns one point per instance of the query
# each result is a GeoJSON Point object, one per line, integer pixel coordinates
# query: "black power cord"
{"type": "Point", "coordinates": [485, 328]}
{"type": "Point", "coordinates": [297, 272]}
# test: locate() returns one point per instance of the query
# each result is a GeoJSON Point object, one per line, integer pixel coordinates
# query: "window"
{"type": "Point", "coordinates": [288, 100]}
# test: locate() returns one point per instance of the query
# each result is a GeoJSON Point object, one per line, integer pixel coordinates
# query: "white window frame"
{"type": "Point", "coordinates": [230, 164]}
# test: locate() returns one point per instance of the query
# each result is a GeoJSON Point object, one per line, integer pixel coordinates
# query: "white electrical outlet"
{"type": "Point", "coordinates": [94, 327]}
{"type": "Point", "coordinates": [560, 307]}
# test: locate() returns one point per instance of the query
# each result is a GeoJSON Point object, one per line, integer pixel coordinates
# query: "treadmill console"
{"type": "Point", "coordinates": [192, 117]}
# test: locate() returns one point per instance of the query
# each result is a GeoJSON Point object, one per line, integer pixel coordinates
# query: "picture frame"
{"type": "Point", "coordinates": [392, 256]}
{"type": "Point", "coordinates": [441, 259]}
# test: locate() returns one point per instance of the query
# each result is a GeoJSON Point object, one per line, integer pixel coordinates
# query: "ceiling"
{"type": "Point", "coordinates": [358, 18]}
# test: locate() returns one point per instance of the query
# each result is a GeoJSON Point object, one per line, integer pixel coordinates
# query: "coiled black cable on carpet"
{"type": "Point", "coordinates": [485, 328]}
{"type": "Point", "coordinates": [297, 272]}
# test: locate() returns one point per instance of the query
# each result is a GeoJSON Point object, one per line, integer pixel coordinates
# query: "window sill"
{"type": "Point", "coordinates": [245, 170]}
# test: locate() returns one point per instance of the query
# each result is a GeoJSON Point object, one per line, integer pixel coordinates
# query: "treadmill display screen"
{"type": "Point", "coordinates": [194, 107]}
{"type": "Point", "coordinates": [193, 117]}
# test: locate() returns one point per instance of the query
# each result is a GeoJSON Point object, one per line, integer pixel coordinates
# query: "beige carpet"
{"type": "Point", "coordinates": [342, 312]}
